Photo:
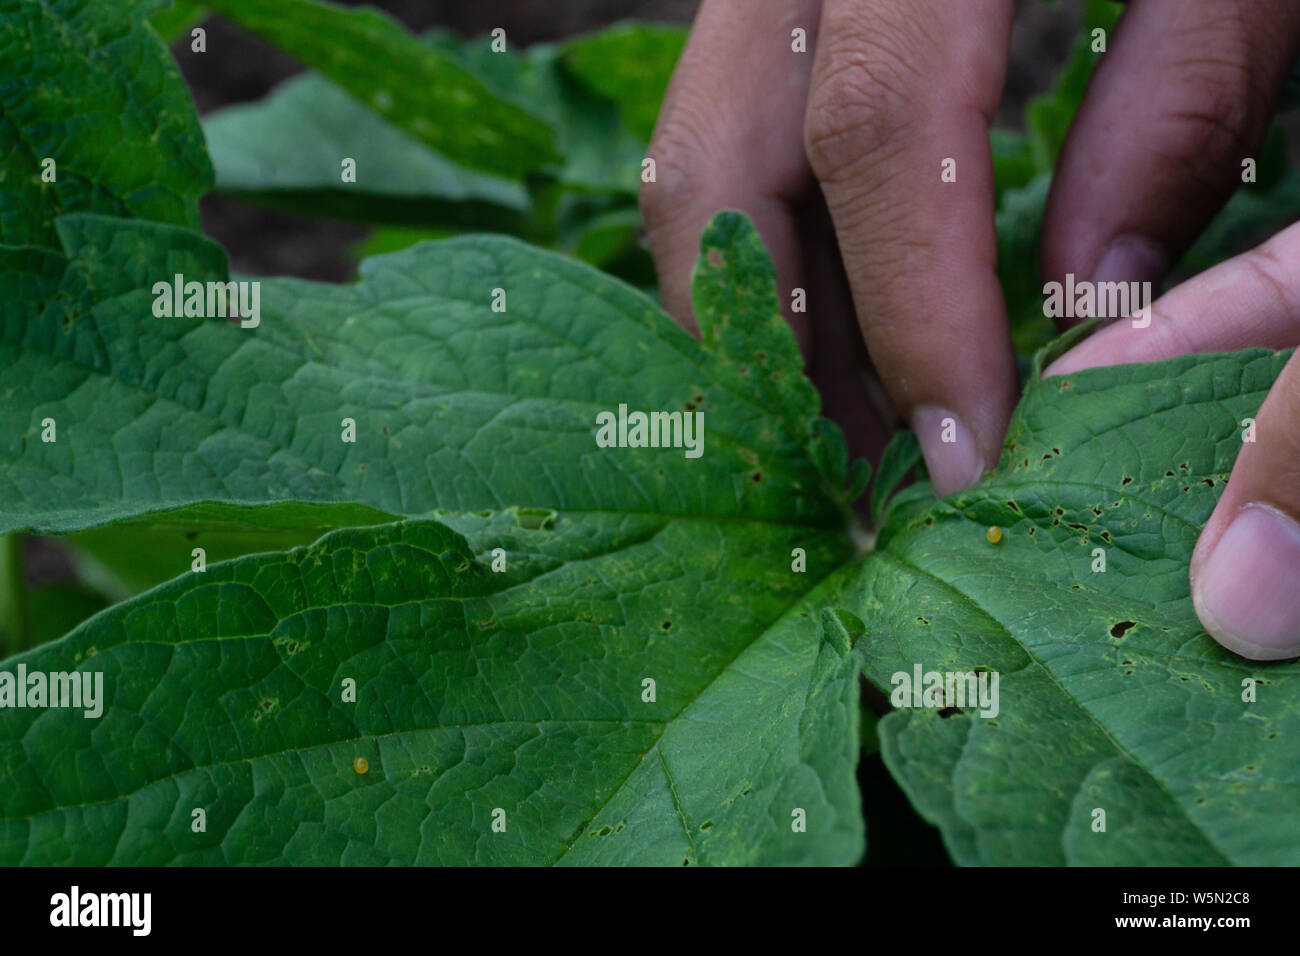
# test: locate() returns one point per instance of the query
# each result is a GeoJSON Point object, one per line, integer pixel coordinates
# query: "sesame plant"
{"type": "Point", "coordinates": [371, 588]}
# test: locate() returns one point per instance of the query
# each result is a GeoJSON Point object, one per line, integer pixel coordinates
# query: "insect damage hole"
{"type": "Point", "coordinates": [1119, 628]}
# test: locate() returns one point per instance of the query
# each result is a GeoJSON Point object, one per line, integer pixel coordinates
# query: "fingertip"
{"type": "Point", "coordinates": [952, 453]}
{"type": "Point", "coordinates": [1245, 581]}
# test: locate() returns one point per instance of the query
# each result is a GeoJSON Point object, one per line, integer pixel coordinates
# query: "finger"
{"type": "Point", "coordinates": [898, 89]}
{"type": "Point", "coordinates": [1252, 300]}
{"type": "Point", "coordinates": [1184, 94]}
{"type": "Point", "coordinates": [1245, 573]}
{"type": "Point", "coordinates": [728, 138]}
{"type": "Point", "coordinates": [851, 391]}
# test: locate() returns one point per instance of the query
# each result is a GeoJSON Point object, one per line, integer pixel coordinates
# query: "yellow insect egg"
{"type": "Point", "coordinates": [994, 534]}
{"type": "Point", "coordinates": [361, 765]}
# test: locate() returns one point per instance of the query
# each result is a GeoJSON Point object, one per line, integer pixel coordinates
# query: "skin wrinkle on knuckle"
{"type": "Point", "coordinates": [891, 268]}
{"type": "Point", "coordinates": [1224, 101]}
{"type": "Point", "coordinates": [863, 104]}
{"type": "Point", "coordinates": [1202, 144]}
{"type": "Point", "coordinates": [681, 156]}
{"type": "Point", "coordinates": [866, 205]}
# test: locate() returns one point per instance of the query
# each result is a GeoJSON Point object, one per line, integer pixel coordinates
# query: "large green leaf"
{"type": "Point", "coordinates": [288, 151]}
{"type": "Point", "coordinates": [630, 64]}
{"type": "Point", "coordinates": [601, 152]}
{"type": "Point", "coordinates": [520, 689]}
{"type": "Point", "coordinates": [87, 84]}
{"type": "Point", "coordinates": [456, 406]}
{"type": "Point", "coordinates": [177, 18]}
{"type": "Point", "coordinates": [411, 85]}
{"type": "Point", "coordinates": [1111, 695]}
{"type": "Point", "coordinates": [621, 564]}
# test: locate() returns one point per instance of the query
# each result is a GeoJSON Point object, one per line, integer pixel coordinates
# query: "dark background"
{"type": "Point", "coordinates": [238, 67]}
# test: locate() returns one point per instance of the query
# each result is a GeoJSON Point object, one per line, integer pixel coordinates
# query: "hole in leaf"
{"type": "Point", "coordinates": [949, 711]}
{"type": "Point", "coordinates": [535, 519]}
{"type": "Point", "coordinates": [1119, 628]}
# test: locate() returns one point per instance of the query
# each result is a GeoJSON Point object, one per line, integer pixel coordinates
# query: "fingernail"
{"type": "Point", "coordinates": [1132, 259]}
{"type": "Point", "coordinates": [1247, 592]}
{"type": "Point", "coordinates": [951, 455]}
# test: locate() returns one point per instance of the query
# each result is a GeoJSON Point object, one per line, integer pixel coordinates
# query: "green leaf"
{"type": "Point", "coordinates": [173, 21]}
{"type": "Point", "coordinates": [1250, 217]}
{"type": "Point", "coordinates": [411, 85]}
{"type": "Point", "coordinates": [1112, 697]}
{"type": "Point", "coordinates": [478, 688]}
{"type": "Point", "coordinates": [136, 554]}
{"type": "Point", "coordinates": [1291, 92]}
{"type": "Point", "coordinates": [287, 151]}
{"type": "Point", "coordinates": [1019, 228]}
{"type": "Point", "coordinates": [456, 406]}
{"type": "Point", "coordinates": [521, 690]}
{"type": "Point", "coordinates": [56, 609]}
{"type": "Point", "coordinates": [15, 619]}
{"type": "Point", "coordinates": [630, 64]}
{"type": "Point", "coordinates": [1013, 160]}
{"type": "Point", "coordinates": [86, 85]}
{"type": "Point", "coordinates": [600, 152]}
{"type": "Point", "coordinates": [621, 564]}
{"type": "Point", "coordinates": [901, 456]}
{"type": "Point", "coordinates": [1048, 118]}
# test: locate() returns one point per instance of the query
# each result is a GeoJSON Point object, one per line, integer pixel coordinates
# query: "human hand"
{"type": "Point", "coordinates": [1185, 91]}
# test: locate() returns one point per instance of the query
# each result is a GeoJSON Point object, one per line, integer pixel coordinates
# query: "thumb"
{"type": "Point", "coordinates": [1245, 573]}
